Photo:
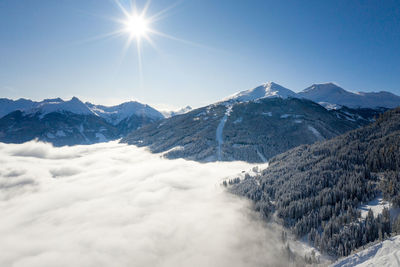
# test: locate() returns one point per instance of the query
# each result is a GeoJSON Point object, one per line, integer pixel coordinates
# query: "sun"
{"type": "Point", "coordinates": [137, 26]}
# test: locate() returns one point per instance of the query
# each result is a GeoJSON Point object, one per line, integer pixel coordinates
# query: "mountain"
{"type": "Point", "coordinates": [316, 191]}
{"type": "Point", "coordinates": [127, 116]}
{"type": "Point", "coordinates": [251, 131]}
{"type": "Point", "coordinates": [8, 105]}
{"type": "Point", "coordinates": [58, 128]}
{"type": "Point", "coordinates": [71, 122]}
{"type": "Point", "coordinates": [266, 90]}
{"type": "Point", "coordinates": [116, 114]}
{"type": "Point", "coordinates": [168, 114]}
{"type": "Point", "coordinates": [328, 95]}
{"type": "Point", "coordinates": [333, 94]}
{"type": "Point", "coordinates": [58, 105]}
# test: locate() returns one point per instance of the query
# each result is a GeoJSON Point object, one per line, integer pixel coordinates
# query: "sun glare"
{"type": "Point", "coordinates": [136, 26]}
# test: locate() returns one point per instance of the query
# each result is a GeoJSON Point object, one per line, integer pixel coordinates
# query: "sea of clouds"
{"type": "Point", "coordinates": [111, 204]}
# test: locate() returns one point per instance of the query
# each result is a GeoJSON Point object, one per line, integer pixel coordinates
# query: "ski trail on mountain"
{"type": "Point", "coordinates": [261, 156]}
{"type": "Point", "coordinates": [317, 134]}
{"type": "Point", "coordinates": [220, 129]}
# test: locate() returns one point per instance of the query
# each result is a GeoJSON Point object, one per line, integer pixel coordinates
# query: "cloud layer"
{"type": "Point", "coordinates": [115, 205]}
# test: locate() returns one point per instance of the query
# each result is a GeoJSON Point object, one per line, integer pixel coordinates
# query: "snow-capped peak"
{"type": "Point", "coordinates": [334, 94]}
{"type": "Point", "coordinates": [269, 89]}
{"type": "Point", "coordinates": [113, 114]}
{"type": "Point", "coordinates": [116, 114]}
{"type": "Point", "coordinates": [171, 113]}
{"type": "Point", "coordinates": [324, 88]}
{"type": "Point", "coordinates": [56, 105]}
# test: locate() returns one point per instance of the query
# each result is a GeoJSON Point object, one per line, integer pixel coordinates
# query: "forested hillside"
{"type": "Point", "coordinates": [316, 189]}
{"type": "Point", "coordinates": [252, 131]}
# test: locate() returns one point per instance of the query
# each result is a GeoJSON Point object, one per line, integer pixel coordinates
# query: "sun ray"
{"type": "Point", "coordinates": [178, 39]}
{"type": "Point", "coordinates": [162, 14]}
{"type": "Point", "coordinates": [137, 27]}
{"type": "Point", "coordinates": [121, 7]}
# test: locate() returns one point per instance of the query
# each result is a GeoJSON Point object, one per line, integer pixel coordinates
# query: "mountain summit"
{"type": "Point", "coordinates": [269, 89]}
{"type": "Point", "coordinates": [334, 94]}
{"type": "Point", "coordinates": [327, 94]}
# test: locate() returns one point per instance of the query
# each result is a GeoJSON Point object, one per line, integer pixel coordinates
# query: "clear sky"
{"type": "Point", "coordinates": [48, 49]}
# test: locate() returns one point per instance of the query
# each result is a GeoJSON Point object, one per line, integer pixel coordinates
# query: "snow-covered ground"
{"type": "Point", "coordinates": [376, 205]}
{"type": "Point", "coordinates": [384, 254]}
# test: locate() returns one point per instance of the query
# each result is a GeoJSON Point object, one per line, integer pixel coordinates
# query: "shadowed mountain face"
{"type": "Point", "coordinates": [249, 131]}
{"type": "Point", "coordinates": [70, 122]}
{"type": "Point", "coordinates": [57, 128]}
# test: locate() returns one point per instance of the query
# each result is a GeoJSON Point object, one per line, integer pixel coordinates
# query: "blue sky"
{"type": "Point", "coordinates": [47, 49]}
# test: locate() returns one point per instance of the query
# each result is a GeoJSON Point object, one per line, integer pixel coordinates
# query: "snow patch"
{"type": "Point", "coordinates": [269, 114]}
{"type": "Point", "coordinates": [315, 132]}
{"type": "Point", "coordinates": [239, 120]}
{"type": "Point", "coordinates": [284, 116]}
{"type": "Point", "coordinates": [101, 137]}
{"type": "Point", "coordinates": [376, 205]}
{"type": "Point", "coordinates": [175, 148]}
{"type": "Point", "coordinates": [60, 133]}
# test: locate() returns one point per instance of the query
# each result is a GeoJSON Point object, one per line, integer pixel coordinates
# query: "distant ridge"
{"type": "Point", "coordinates": [334, 94]}
{"type": "Point", "coordinates": [113, 114]}
{"type": "Point", "coordinates": [328, 95]}
{"type": "Point", "coordinates": [70, 122]}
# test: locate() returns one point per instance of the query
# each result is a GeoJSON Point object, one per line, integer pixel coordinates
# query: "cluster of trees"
{"type": "Point", "coordinates": [316, 189]}
{"type": "Point", "coordinates": [231, 181]}
{"type": "Point", "coordinates": [341, 236]}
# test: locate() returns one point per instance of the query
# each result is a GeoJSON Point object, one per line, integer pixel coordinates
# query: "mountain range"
{"type": "Point", "coordinates": [251, 125]}
{"type": "Point", "coordinates": [70, 122]}
{"type": "Point", "coordinates": [326, 94]}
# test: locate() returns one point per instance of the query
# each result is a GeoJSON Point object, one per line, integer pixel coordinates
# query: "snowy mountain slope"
{"type": "Point", "coordinates": [71, 122]}
{"type": "Point", "coordinates": [113, 114]}
{"type": "Point", "coordinates": [269, 89]}
{"type": "Point", "coordinates": [249, 131]}
{"type": "Point", "coordinates": [333, 94]}
{"type": "Point", "coordinates": [118, 113]}
{"type": "Point", "coordinates": [171, 113]}
{"type": "Point", "coordinates": [328, 95]}
{"type": "Point", "coordinates": [383, 254]}
{"type": "Point", "coordinates": [58, 105]}
{"type": "Point", "coordinates": [58, 128]}
{"type": "Point", "coordinates": [9, 105]}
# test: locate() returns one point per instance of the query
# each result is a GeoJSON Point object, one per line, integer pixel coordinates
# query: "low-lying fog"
{"type": "Point", "coordinates": [116, 205]}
